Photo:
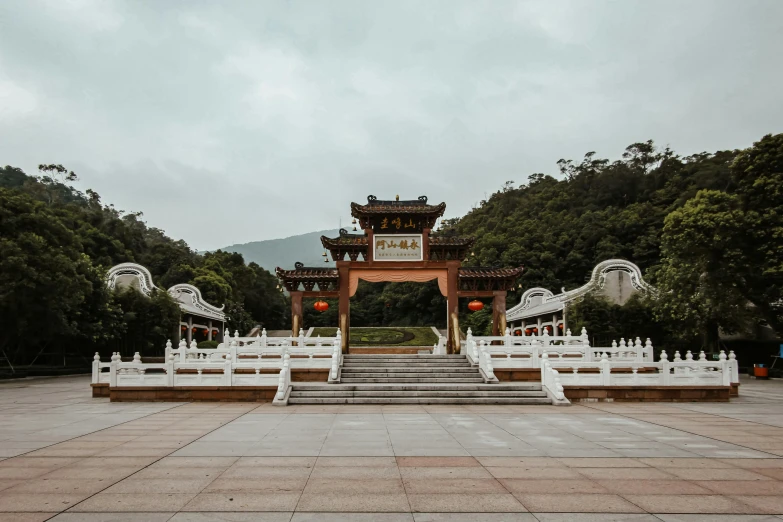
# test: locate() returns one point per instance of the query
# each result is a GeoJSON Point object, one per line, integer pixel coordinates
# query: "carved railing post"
{"type": "Point", "coordinates": [96, 368]}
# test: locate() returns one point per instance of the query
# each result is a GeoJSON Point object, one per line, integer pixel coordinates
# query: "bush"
{"type": "Point", "coordinates": [208, 344]}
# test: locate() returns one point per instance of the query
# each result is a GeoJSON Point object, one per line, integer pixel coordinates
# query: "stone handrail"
{"type": "Point", "coordinates": [687, 372]}
{"type": "Point", "coordinates": [550, 381]}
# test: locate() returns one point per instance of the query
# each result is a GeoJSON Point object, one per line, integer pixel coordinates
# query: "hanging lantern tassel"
{"type": "Point", "coordinates": [475, 305]}
{"type": "Point", "coordinates": [321, 306]}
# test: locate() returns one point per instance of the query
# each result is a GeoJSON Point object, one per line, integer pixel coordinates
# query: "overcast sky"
{"type": "Point", "coordinates": [228, 122]}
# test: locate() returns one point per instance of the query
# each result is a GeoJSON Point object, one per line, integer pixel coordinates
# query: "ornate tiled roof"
{"type": "Point", "coordinates": [410, 206]}
{"type": "Point", "coordinates": [455, 241]}
{"type": "Point", "coordinates": [344, 239]}
{"type": "Point", "coordinates": [307, 272]}
{"type": "Point", "coordinates": [489, 272]}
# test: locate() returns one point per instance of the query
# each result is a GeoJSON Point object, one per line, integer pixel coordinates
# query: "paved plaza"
{"type": "Point", "coordinates": [65, 456]}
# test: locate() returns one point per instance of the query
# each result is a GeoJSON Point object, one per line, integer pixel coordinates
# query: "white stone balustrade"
{"type": "Point", "coordinates": [234, 363]}
{"type": "Point", "coordinates": [526, 351]}
{"type": "Point", "coordinates": [608, 372]}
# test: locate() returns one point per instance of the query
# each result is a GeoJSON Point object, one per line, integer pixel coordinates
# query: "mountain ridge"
{"type": "Point", "coordinates": [284, 252]}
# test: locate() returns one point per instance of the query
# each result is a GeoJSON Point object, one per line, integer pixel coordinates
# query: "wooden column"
{"type": "Point", "coordinates": [452, 306]}
{"type": "Point", "coordinates": [296, 313]}
{"type": "Point", "coordinates": [499, 313]}
{"type": "Point", "coordinates": [344, 307]}
{"type": "Point", "coordinates": [425, 244]}
{"type": "Point", "coordinates": [190, 330]}
{"type": "Point", "coordinates": [209, 334]}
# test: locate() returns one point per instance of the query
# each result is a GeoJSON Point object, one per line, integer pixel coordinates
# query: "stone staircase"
{"type": "Point", "coordinates": [414, 379]}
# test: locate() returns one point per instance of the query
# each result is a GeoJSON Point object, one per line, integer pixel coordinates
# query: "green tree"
{"type": "Point", "coordinates": [699, 277]}
{"type": "Point", "coordinates": [44, 277]}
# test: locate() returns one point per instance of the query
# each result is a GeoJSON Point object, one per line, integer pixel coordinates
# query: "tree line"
{"type": "Point", "coordinates": [707, 230]}
{"type": "Point", "coordinates": [56, 245]}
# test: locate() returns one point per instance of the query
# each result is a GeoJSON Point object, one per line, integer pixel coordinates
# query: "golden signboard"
{"type": "Point", "coordinates": [397, 247]}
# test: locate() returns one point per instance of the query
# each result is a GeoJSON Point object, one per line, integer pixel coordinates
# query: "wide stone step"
{"type": "Point", "coordinates": [402, 369]}
{"type": "Point", "coordinates": [419, 400]}
{"type": "Point", "coordinates": [400, 357]}
{"type": "Point", "coordinates": [462, 362]}
{"type": "Point", "coordinates": [421, 375]}
{"type": "Point", "coordinates": [417, 387]}
{"type": "Point", "coordinates": [423, 380]}
{"type": "Point", "coordinates": [417, 393]}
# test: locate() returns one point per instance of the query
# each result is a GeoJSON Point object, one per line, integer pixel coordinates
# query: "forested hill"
{"type": "Point", "coordinates": [55, 247]}
{"type": "Point", "coordinates": [284, 252]}
{"type": "Point", "coordinates": [560, 228]}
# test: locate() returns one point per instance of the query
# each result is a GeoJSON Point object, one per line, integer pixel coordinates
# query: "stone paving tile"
{"type": "Point", "coordinates": [590, 462]}
{"type": "Point", "coordinates": [243, 501]}
{"type": "Point", "coordinates": [135, 502]}
{"type": "Point", "coordinates": [746, 463]}
{"type": "Point", "coordinates": [654, 487]}
{"type": "Point", "coordinates": [464, 502]}
{"type": "Point", "coordinates": [533, 473]}
{"type": "Point", "coordinates": [552, 486]}
{"type": "Point", "coordinates": [716, 518]}
{"type": "Point", "coordinates": [276, 485]}
{"type": "Point", "coordinates": [112, 517]}
{"type": "Point", "coordinates": [576, 503]}
{"type": "Point", "coordinates": [625, 474]}
{"type": "Point", "coordinates": [772, 504]}
{"type": "Point", "coordinates": [595, 517]}
{"type": "Point", "coordinates": [357, 486]}
{"type": "Point", "coordinates": [431, 473]}
{"type": "Point", "coordinates": [690, 504]}
{"type": "Point", "coordinates": [473, 517]}
{"type": "Point", "coordinates": [61, 486]}
{"type": "Point", "coordinates": [160, 485]}
{"type": "Point", "coordinates": [453, 485]}
{"type": "Point", "coordinates": [26, 517]}
{"type": "Point", "coordinates": [775, 473]}
{"type": "Point", "coordinates": [43, 502]}
{"type": "Point", "coordinates": [365, 502]}
{"type": "Point", "coordinates": [437, 462]}
{"type": "Point", "coordinates": [743, 487]}
{"type": "Point", "coordinates": [232, 517]}
{"type": "Point", "coordinates": [716, 474]}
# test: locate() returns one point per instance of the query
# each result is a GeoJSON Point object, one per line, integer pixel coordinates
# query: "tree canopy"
{"type": "Point", "coordinates": [57, 245]}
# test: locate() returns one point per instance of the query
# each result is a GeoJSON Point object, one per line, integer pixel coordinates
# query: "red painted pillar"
{"type": "Point", "coordinates": [344, 306]}
{"type": "Point", "coordinates": [452, 283]}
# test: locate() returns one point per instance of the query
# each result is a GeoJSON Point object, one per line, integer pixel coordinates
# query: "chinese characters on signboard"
{"type": "Point", "coordinates": [395, 224]}
{"type": "Point", "coordinates": [397, 247]}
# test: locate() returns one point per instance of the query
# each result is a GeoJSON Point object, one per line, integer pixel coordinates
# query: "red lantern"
{"type": "Point", "coordinates": [560, 326]}
{"type": "Point", "coordinates": [194, 329]}
{"type": "Point", "coordinates": [206, 332]}
{"type": "Point", "coordinates": [183, 328]}
{"type": "Point", "coordinates": [475, 305]}
{"type": "Point", "coordinates": [321, 306]}
{"type": "Point", "coordinates": [528, 331]}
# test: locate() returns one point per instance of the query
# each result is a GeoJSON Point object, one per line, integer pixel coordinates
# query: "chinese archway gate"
{"type": "Point", "coordinates": [396, 246]}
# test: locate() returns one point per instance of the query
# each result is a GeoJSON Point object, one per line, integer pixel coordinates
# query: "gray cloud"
{"type": "Point", "coordinates": [236, 121]}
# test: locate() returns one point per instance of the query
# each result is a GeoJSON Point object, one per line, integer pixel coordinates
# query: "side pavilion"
{"type": "Point", "coordinates": [398, 246]}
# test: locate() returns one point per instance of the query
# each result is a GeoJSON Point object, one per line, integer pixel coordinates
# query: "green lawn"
{"type": "Point", "coordinates": [385, 336]}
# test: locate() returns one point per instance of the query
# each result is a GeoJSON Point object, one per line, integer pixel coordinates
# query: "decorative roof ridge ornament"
{"type": "Point", "coordinates": [421, 201]}
{"type": "Point", "coordinates": [195, 294]}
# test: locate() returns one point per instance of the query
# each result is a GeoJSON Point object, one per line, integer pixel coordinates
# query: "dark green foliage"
{"type": "Point", "coordinates": [208, 344]}
{"type": "Point", "coordinates": [147, 322]}
{"type": "Point", "coordinates": [55, 247]}
{"type": "Point", "coordinates": [606, 322]}
{"type": "Point", "coordinates": [400, 336]}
